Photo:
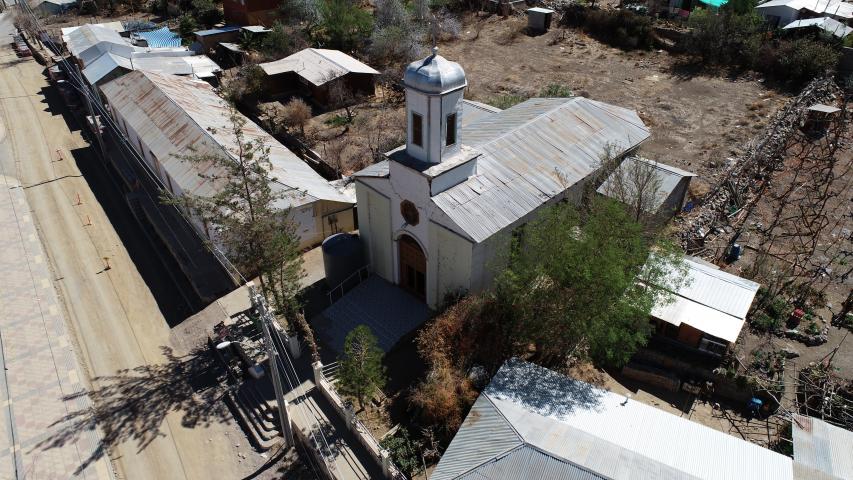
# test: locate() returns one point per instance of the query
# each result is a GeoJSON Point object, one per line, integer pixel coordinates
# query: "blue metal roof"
{"type": "Point", "coordinates": [160, 38]}
{"type": "Point", "coordinates": [215, 31]}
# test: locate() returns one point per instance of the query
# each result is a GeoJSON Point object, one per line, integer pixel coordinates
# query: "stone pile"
{"type": "Point", "coordinates": [745, 174]}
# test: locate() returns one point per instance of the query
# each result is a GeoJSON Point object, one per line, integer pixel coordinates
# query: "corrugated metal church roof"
{"type": "Point", "coordinates": [176, 116]}
{"type": "Point", "coordinates": [532, 153]}
{"type": "Point", "coordinates": [572, 430]}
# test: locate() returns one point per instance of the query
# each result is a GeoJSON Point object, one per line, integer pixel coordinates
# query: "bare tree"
{"type": "Point", "coordinates": [342, 96]}
{"type": "Point", "coordinates": [334, 153]}
{"type": "Point", "coordinates": [636, 183]}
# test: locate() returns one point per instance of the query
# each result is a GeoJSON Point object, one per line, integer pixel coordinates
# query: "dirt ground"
{"type": "Point", "coordinates": [697, 122]}
{"type": "Point", "coordinates": [721, 417]}
{"type": "Point", "coordinates": [55, 23]}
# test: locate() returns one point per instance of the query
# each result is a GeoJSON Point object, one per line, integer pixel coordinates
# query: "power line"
{"type": "Point", "coordinates": [79, 84]}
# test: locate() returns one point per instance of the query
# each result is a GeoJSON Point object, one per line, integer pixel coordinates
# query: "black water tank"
{"type": "Point", "coordinates": [343, 255]}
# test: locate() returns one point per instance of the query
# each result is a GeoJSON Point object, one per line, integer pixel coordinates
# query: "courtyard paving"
{"type": "Point", "coordinates": [388, 310]}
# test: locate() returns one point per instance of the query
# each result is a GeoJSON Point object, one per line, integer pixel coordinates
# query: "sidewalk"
{"type": "Point", "coordinates": [313, 414]}
{"type": "Point", "coordinates": [40, 378]}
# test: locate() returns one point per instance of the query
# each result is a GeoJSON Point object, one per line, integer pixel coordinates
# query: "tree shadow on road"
{"type": "Point", "coordinates": [132, 404]}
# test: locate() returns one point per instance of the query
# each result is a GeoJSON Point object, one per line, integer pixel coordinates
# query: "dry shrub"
{"type": "Point", "coordinates": [516, 29]}
{"type": "Point", "coordinates": [466, 334]}
{"type": "Point", "coordinates": [295, 114]}
{"type": "Point", "coordinates": [444, 398]}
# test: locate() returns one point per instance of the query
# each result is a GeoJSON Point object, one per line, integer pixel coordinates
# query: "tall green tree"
{"type": "Point", "coordinates": [277, 43]}
{"type": "Point", "coordinates": [343, 25]}
{"type": "Point", "coordinates": [361, 373]}
{"type": "Point", "coordinates": [207, 12]}
{"type": "Point", "coordinates": [576, 283]}
{"type": "Point", "coordinates": [243, 215]}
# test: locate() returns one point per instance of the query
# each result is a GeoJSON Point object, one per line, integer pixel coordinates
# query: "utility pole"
{"type": "Point", "coordinates": [260, 305]}
{"type": "Point", "coordinates": [95, 123]}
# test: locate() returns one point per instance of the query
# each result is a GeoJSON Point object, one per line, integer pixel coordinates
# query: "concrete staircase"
{"type": "Point", "coordinates": [257, 414]}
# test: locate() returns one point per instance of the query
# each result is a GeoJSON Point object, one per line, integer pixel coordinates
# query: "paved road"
{"type": "Point", "coordinates": [119, 329]}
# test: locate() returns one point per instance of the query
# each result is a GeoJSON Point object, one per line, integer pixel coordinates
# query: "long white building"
{"type": "Point", "coordinates": [167, 117]}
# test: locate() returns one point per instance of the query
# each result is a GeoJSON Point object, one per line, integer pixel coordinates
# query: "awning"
{"type": "Point", "coordinates": [701, 317]}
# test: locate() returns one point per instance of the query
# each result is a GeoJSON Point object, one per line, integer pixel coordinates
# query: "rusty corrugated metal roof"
{"type": "Point", "coordinates": [176, 116]}
{"type": "Point", "coordinates": [532, 153]}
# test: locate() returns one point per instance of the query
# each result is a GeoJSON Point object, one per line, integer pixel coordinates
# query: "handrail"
{"type": "Point", "coordinates": [340, 286]}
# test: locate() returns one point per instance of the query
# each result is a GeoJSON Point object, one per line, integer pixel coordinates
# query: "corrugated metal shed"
{"type": "Point", "coordinates": [160, 38]}
{"type": "Point", "coordinates": [818, 107]}
{"type": "Point", "coordinates": [667, 178]}
{"type": "Point", "coordinates": [61, 4]}
{"type": "Point", "coordinates": [830, 7]}
{"type": "Point", "coordinates": [215, 31]}
{"type": "Point", "coordinates": [199, 66]}
{"type": "Point", "coordinates": [598, 434]}
{"type": "Point", "coordinates": [202, 66]}
{"type": "Point", "coordinates": [87, 36]}
{"type": "Point", "coordinates": [175, 116]}
{"type": "Point", "coordinates": [115, 26]}
{"type": "Point", "coordinates": [828, 25]}
{"type": "Point", "coordinates": [532, 153]}
{"type": "Point", "coordinates": [104, 65]}
{"type": "Point", "coordinates": [710, 300]}
{"type": "Point", "coordinates": [95, 51]}
{"type": "Point", "coordinates": [169, 65]}
{"type": "Point", "coordinates": [256, 29]}
{"type": "Point", "coordinates": [822, 447]}
{"type": "Point", "coordinates": [317, 65]}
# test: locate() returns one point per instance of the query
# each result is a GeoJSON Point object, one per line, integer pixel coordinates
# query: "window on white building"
{"type": "Point", "coordinates": [417, 129]}
{"type": "Point", "coordinates": [450, 138]}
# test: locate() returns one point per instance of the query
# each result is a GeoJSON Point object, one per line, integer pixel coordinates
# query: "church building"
{"type": "Point", "coordinates": [435, 214]}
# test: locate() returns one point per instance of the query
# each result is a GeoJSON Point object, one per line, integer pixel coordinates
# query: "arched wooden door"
{"type": "Point", "coordinates": [412, 266]}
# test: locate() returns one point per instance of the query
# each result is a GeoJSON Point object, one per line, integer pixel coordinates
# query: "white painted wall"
{"type": "Point", "coordinates": [374, 225]}
{"type": "Point", "coordinates": [450, 262]}
{"type": "Point", "coordinates": [434, 109]}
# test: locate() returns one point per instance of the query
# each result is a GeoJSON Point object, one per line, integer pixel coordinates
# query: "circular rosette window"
{"type": "Point", "coordinates": [409, 212]}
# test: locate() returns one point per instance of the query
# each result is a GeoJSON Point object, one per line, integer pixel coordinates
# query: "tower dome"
{"type": "Point", "coordinates": [434, 74]}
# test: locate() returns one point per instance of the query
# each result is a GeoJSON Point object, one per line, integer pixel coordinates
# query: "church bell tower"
{"type": "Point", "coordinates": [434, 89]}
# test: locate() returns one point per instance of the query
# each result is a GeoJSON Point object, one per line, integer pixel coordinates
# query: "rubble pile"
{"type": "Point", "coordinates": [747, 172]}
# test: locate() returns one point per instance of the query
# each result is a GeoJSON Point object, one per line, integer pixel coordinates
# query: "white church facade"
{"type": "Point", "coordinates": [435, 215]}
